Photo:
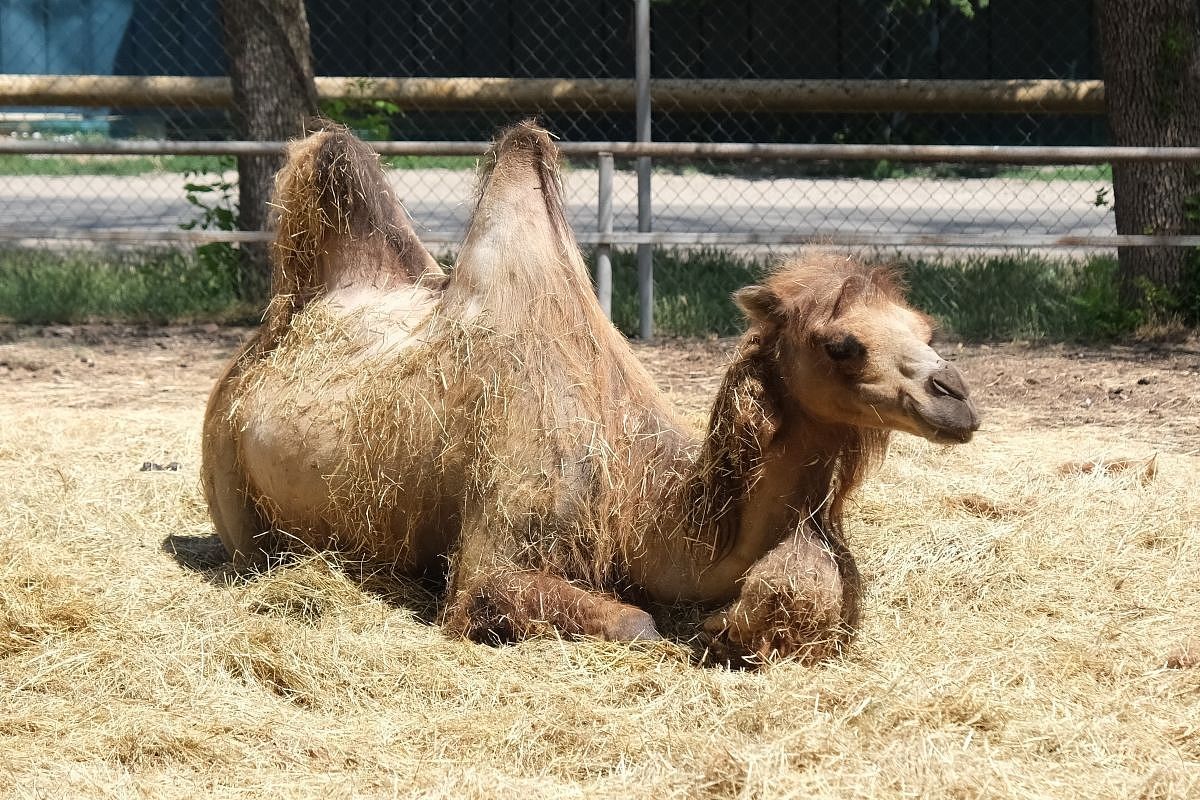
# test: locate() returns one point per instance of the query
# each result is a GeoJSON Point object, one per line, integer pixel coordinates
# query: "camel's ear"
{"type": "Point", "coordinates": [760, 303]}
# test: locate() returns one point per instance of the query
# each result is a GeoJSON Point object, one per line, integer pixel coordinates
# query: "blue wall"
{"type": "Point", "coordinates": [692, 38]}
{"type": "Point", "coordinates": [551, 38]}
{"type": "Point", "coordinates": [62, 37]}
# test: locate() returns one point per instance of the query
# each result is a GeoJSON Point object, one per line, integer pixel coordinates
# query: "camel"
{"type": "Point", "coordinates": [489, 425]}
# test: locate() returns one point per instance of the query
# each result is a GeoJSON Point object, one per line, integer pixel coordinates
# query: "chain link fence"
{"type": "Point", "coordinates": [692, 40]}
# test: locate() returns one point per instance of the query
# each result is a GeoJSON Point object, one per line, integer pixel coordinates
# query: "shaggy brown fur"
{"type": "Point", "coordinates": [494, 421]}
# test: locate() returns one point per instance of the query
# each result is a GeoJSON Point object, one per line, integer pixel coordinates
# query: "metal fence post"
{"type": "Point", "coordinates": [605, 227]}
{"type": "Point", "coordinates": [644, 251]}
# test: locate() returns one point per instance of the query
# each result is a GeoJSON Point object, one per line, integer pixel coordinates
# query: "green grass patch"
{"type": "Point", "coordinates": [47, 286]}
{"type": "Point", "coordinates": [1093, 173]}
{"type": "Point", "coordinates": [1021, 296]}
{"type": "Point", "coordinates": [692, 290]}
{"type": "Point", "coordinates": [17, 164]}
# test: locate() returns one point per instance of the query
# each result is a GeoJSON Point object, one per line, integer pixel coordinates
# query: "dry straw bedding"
{"type": "Point", "coordinates": [1018, 618]}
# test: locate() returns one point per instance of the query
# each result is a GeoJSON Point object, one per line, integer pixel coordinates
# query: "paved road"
{"type": "Point", "coordinates": [440, 201]}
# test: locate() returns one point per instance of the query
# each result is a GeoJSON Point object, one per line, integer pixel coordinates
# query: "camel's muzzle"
{"type": "Point", "coordinates": [947, 408]}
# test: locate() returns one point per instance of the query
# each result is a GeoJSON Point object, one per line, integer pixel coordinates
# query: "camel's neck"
{"type": "Point", "coordinates": [763, 468]}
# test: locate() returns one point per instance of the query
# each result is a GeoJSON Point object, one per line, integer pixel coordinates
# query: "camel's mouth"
{"type": "Point", "coordinates": [946, 436]}
{"type": "Point", "coordinates": [944, 419]}
{"type": "Point", "coordinates": [945, 411]}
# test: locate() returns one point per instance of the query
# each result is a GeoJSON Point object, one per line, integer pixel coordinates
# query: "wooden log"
{"type": "Point", "coordinates": [114, 90]}
{"type": "Point", "coordinates": [530, 94]}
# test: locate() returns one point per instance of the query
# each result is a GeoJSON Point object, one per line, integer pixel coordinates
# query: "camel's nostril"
{"type": "Point", "coordinates": [940, 388]}
{"type": "Point", "coordinates": [947, 382]}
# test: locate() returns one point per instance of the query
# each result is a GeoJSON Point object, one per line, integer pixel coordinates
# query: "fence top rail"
{"type": "Point", "coordinates": [993, 96]}
{"type": "Point", "coordinates": [993, 154]}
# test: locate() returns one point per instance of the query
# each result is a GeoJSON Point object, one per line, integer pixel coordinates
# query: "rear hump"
{"type": "Point", "coordinates": [519, 250]}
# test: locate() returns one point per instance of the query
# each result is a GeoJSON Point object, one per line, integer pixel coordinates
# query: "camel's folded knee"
{"type": "Point", "coordinates": [778, 617]}
{"type": "Point", "coordinates": [485, 612]}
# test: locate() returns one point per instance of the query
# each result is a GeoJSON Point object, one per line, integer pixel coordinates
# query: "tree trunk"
{"type": "Point", "coordinates": [274, 97]}
{"type": "Point", "coordinates": [1151, 54]}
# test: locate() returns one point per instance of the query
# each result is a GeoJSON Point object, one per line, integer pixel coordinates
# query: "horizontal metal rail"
{"type": "Point", "coordinates": [662, 150]}
{"type": "Point", "coordinates": [830, 238]}
{"type": "Point", "coordinates": [1020, 96]}
{"type": "Point", "coordinates": [990, 154]}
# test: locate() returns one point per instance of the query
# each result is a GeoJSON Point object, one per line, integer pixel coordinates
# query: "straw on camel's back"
{"type": "Point", "coordinates": [502, 402]}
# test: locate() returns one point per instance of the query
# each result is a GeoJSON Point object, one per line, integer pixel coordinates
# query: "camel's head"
{"type": "Point", "coordinates": [851, 351]}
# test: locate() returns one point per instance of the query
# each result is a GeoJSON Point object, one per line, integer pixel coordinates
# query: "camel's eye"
{"type": "Point", "coordinates": [845, 348]}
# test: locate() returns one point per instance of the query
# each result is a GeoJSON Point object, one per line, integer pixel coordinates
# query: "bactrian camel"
{"type": "Point", "coordinates": [490, 425]}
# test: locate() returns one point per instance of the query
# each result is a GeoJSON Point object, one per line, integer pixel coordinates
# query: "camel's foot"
{"type": "Point", "coordinates": [776, 618]}
{"type": "Point", "coordinates": [508, 608]}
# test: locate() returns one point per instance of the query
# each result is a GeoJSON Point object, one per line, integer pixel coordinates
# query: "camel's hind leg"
{"type": "Point", "coordinates": [234, 515]}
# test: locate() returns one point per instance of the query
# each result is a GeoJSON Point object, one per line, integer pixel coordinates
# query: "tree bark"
{"type": "Point", "coordinates": [1151, 54]}
{"type": "Point", "coordinates": [274, 97]}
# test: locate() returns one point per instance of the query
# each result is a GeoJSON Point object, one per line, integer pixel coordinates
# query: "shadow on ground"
{"type": "Point", "coordinates": [206, 556]}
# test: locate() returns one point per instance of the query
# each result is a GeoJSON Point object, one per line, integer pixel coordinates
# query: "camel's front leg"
{"type": "Point", "coordinates": [790, 605]}
{"type": "Point", "coordinates": [515, 605]}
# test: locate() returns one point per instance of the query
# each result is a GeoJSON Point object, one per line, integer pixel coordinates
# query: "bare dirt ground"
{"type": "Point", "coordinates": [1028, 627]}
{"type": "Point", "coordinates": [1150, 388]}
